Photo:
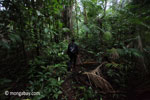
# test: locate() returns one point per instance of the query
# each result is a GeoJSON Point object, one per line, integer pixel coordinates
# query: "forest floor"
{"type": "Point", "coordinates": [75, 79]}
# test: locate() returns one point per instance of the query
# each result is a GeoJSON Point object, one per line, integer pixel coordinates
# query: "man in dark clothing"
{"type": "Point", "coordinates": [72, 53]}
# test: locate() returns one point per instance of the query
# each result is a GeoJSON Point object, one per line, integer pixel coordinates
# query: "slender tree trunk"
{"type": "Point", "coordinates": [105, 6]}
{"type": "Point", "coordinates": [122, 3]}
{"type": "Point", "coordinates": [85, 17]}
{"type": "Point", "coordinates": [22, 40]}
{"type": "Point", "coordinates": [141, 59]}
{"type": "Point", "coordinates": [100, 32]}
{"type": "Point", "coordinates": [70, 19]}
{"type": "Point", "coordinates": [100, 20]}
{"type": "Point", "coordinates": [76, 16]}
{"type": "Point", "coordinates": [36, 33]}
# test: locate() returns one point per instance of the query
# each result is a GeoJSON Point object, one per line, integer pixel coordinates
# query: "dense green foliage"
{"type": "Point", "coordinates": [34, 35]}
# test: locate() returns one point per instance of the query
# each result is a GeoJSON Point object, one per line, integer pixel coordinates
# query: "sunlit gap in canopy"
{"type": "Point", "coordinates": [1, 6]}
{"type": "Point", "coordinates": [109, 3]}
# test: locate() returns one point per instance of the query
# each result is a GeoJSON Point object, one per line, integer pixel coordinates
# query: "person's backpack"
{"type": "Point", "coordinates": [73, 48]}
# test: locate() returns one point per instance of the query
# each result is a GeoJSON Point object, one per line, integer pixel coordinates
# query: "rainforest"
{"type": "Point", "coordinates": [113, 40]}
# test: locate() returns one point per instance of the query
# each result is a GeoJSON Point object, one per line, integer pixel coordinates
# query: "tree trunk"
{"type": "Point", "coordinates": [67, 19]}
{"type": "Point", "coordinates": [100, 20]}
{"type": "Point", "coordinates": [141, 59]}
{"type": "Point", "coordinates": [85, 18]}
{"type": "Point", "coordinates": [76, 16]}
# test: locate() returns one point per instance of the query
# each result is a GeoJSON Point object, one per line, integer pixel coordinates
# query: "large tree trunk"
{"type": "Point", "coordinates": [67, 19]}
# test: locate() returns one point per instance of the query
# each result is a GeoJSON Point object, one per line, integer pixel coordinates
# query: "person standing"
{"type": "Point", "coordinates": [72, 52]}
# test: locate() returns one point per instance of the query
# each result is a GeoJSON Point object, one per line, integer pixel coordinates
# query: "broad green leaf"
{"type": "Point", "coordinates": [14, 37]}
{"type": "Point", "coordinates": [107, 35]}
{"type": "Point", "coordinates": [66, 29]}
{"type": "Point", "coordinates": [86, 28]}
{"type": "Point", "coordinates": [38, 13]}
{"type": "Point", "coordinates": [4, 44]}
{"type": "Point", "coordinates": [46, 30]}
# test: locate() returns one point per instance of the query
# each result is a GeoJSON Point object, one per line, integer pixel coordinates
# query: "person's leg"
{"type": "Point", "coordinates": [75, 59]}
{"type": "Point", "coordinates": [69, 65]}
{"type": "Point", "coordinates": [70, 62]}
{"type": "Point", "coordinates": [74, 62]}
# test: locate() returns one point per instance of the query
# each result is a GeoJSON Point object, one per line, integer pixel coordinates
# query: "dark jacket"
{"type": "Point", "coordinates": [75, 51]}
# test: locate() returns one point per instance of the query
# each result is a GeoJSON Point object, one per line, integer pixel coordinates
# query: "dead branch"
{"type": "Point", "coordinates": [95, 76]}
